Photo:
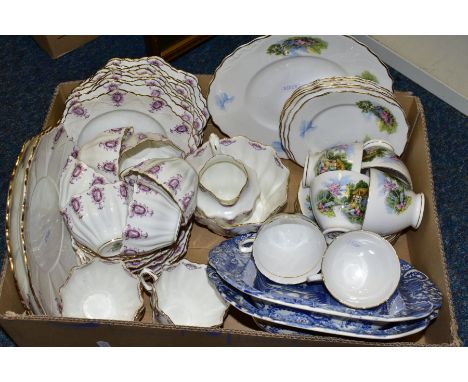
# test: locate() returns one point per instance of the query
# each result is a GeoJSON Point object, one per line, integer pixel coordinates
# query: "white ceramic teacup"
{"type": "Point", "coordinates": [288, 248]}
{"type": "Point", "coordinates": [379, 155]}
{"type": "Point", "coordinates": [224, 178]}
{"type": "Point", "coordinates": [360, 269]}
{"type": "Point", "coordinates": [341, 157]}
{"type": "Point", "coordinates": [182, 295]}
{"type": "Point", "coordinates": [391, 206]}
{"type": "Point", "coordinates": [339, 200]}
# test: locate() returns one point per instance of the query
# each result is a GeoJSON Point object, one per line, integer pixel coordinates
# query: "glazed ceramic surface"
{"type": "Point", "coordinates": [361, 269]}
{"type": "Point", "coordinates": [102, 290]}
{"type": "Point", "coordinates": [339, 117]}
{"type": "Point", "coordinates": [14, 246]}
{"type": "Point", "coordinates": [48, 250]}
{"type": "Point", "coordinates": [416, 296]}
{"type": "Point", "coordinates": [288, 249]}
{"type": "Point", "coordinates": [382, 158]}
{"type": "Point", "coordinates": [342, 157]}
{"type": "Point", "coordinates": [303, 320]}
{"type": "Point", "coordinates": [141, 147]}
{"type": "Point", "coordinates": [273, 328]}
{"type": "Point", "coordinates": [339, 200]}
{"type": "Point", "coordinates": [224, 178]}
{"type": "Point", "coordinates": [391, 206]}
{"type": "Point", "coordinates": [252, 84]}
{"type": "Point", "coordinates": [173, 176]}
{"type": "Point", "coordinates": [182, 295]}
{"type": "Point", "coordinates": [271, 174]}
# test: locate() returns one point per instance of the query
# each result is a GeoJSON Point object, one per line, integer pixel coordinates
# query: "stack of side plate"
{"type": "Point", "coordinates": [339, 110]}
{"type": "Point", "coordinates": [308, 307]}
{"type": "Point", "coordinates": [251, 86]}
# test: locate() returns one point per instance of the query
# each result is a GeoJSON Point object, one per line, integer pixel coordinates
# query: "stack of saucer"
{"type": "Point", "coordinates": [338, 110]}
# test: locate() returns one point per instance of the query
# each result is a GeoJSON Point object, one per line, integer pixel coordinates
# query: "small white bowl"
{"type": "Point", "coordinates": [360, 269]}
{"type": "Point", "coordinates": [288, 249]}
{"type": "Point", "coordinates": [183, 295]}
{"type": "Point", "coordinates": [102, 290]}
{"type": "Point", "coordinates": [392, 206]}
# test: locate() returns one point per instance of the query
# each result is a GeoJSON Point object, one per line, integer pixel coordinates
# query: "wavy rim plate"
{"type": "Point", "coordinates": [15, 197]}
{"type": "Point", "coordinates": [237, 112]}
{"type": "Point", "coordinates": [415, 292]}
{"type": "Point", "coordinates": [48, 261]}
{"type": "Point", "coordinates": [362, 116]}
{"type": "Point", "coordinates": [314, 322]}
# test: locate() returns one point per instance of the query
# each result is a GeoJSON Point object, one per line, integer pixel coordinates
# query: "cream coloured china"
{"type": "Point", "coordinates": [48, 251]}
{"type": "Point", "coordinates": [271, 174]}
{"type": "Point", "coordinates": [14, 245]}
{"type": "Point", "coordinates": [102, 153]}
{"type": "Point", "coordinates": [342, 157]}
{"type": "Point", "coordinates": [252, 84]}
{"type": "Point", "coordinates": [173, 176]}
{"type": "Point", "coordinates": [337, 117]}
{"type": "Point", "coordinates": [210, 208]}
{"type": "Point", "coordinates": [288, 249]}
{"type": "Point", "coordinates": [102, 290]}
{"type": "Point", "coordinates": [224, 178]}
{"type": "Point", "coordinates": [339, 200]}
{"type": "Point", "coordinates": [391, 206]}
{"type": "Point", "coordinates": [379, 156]}
{"type": "Point", "coordinates": [360, 269]}
{"type": "Point", "coordinates": [182, 295]}
{"type": "Point", "coordinates": [140, 147]}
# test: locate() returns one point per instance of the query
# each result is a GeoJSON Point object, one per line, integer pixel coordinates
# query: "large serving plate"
{"type": "Point", "coordinates": [49, 251]}
{"type": "Point", "coordinates": [15, 250]}
{"type": "Point", "coordinates": [251, 85]}
{"type": "Point", "coordinates": [415, 298]}
{"type": "Point", "coordinates": [309, 321]}
{"type": "Point", "coordinates": [340, 116]}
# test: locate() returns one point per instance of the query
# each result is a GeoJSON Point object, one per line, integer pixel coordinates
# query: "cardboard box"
{"type": "Point", "coordinates": [422, 248]}
{"type": "Point", "coordinates": [57, 46]}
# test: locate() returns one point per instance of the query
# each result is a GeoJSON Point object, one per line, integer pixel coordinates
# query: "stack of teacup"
{"type": "Point", "coordinates": [361, 186]}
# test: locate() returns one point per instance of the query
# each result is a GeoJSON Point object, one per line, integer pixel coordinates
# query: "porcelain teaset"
{"type": "Point", "coordinates": [100, 207]}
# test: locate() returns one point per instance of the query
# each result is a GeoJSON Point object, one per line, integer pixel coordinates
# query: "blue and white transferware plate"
{"type": "Point", "coordinates": [302, 320]}
{"type": "Point", "coordinates": [415, 298]}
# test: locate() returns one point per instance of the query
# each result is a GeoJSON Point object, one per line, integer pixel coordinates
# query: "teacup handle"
{"type": "Point", "coordinates": [148, 272]}
{"type": "Point", "coordinates": [244, 246]}
{"type": "Point", "coordinates": [214, 144]}
{"type": "Point", "coordinates": [316, 277]}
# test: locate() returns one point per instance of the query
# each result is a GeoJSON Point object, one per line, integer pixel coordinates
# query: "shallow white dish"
{"type": "Point", "coordinates": [251, 85]}
{"type": "Point", "coordinates": [182, 295]}
{"type": "Point", "coordinates": [102, 290]}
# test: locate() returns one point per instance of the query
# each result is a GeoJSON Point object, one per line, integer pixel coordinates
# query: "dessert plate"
{"type": "Point", "coordinates": [251, 85]}
{"type": "Point", "coordinates": [49, 252]}
{"type": "Point", "coordinates": [308, 321]}
{"type": "Point", "coordinates": [415, 298]}
{"type": "Point", "coordinates": [340, 116]}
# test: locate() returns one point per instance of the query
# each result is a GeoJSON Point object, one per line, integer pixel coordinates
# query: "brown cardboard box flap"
{"type": "Point", "coordinates": [422, 248]}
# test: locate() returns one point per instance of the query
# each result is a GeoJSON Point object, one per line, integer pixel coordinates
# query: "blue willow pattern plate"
{"type": "Point", "coordinates": [416, 296]}
{"type": "Point", "coordinates": [302, 320]}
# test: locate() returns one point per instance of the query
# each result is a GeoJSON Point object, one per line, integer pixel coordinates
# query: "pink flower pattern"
{"type": "Point", "coordinates": [174, 183]}
{"type": "Point", "coordinates": [97, 196]}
